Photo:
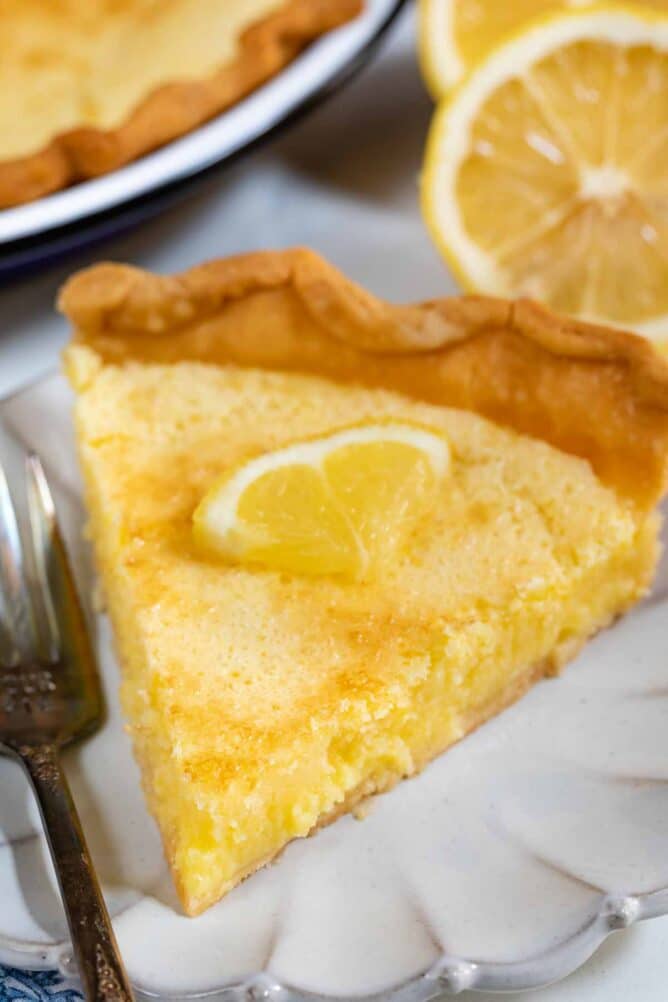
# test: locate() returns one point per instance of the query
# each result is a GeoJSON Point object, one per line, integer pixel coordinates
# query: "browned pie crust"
{"type": "Point", "coordinates": [591, 391]}
{"type": "Point", "coordinates": [173, 109]}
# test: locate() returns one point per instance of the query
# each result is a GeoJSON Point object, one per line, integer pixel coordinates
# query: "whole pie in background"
{"type": "Point", "coordinates": [88, 87]}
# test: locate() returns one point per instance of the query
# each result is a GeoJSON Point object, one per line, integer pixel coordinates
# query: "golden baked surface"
{"type": "Point", "coordinates": [262, 703]}
{"type": "Point", "coordinates": [109, 80]}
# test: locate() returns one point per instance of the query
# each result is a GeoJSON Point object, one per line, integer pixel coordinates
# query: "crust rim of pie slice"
{"type": "Point", "coordinates": [173, 109]}
{"type": "Point", "coordinates": [591, 391]}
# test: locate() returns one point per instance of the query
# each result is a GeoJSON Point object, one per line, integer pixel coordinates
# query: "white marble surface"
{"type": "Point", "coordinates": [344, 182]}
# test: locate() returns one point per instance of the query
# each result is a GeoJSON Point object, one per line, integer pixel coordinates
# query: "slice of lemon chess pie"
{"type": "Point", "coordinates": [335, 535]}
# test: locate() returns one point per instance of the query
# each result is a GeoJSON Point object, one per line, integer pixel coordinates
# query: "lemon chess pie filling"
{"type": "Point", "coordinates": [262, 701]}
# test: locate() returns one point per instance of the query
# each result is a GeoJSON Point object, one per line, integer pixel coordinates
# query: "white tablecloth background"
{"type": "Point", "coordinates": [344, 182]}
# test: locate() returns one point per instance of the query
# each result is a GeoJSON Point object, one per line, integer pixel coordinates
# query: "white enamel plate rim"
{"type": "Point", "coordinates": [37, 417]}
{"type": "Point", "coordinates": [213, 142]}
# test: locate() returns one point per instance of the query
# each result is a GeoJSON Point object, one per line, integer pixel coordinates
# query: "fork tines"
{"type": "Point", "coordinates": [28, 622]}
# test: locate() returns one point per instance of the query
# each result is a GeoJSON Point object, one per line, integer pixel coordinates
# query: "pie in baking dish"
{"type": "Point", "coordinates": [263, 701]}
{"type": "Point", "coordinates": [86, 87]}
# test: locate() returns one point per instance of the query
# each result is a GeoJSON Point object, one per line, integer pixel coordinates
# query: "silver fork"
{"type": "Point", "coordinates": [49, 696]}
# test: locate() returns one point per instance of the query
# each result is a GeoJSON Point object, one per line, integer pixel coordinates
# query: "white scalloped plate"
{"type": "Point", "coordinates": [503, 866]}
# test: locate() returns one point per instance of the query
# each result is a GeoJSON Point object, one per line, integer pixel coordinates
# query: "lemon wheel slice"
{"type": "Point", "coordinates": [456, 35]}
{"type": "Point", "coordinates": [338, 504]}
{"type": "Point", "coordinates": [546, 174]}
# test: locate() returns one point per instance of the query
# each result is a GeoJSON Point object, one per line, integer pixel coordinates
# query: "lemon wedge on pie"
{"type": "Point", "coordinates": [336, 504]}
{"type": "Point", "coordinates": [547, 172]}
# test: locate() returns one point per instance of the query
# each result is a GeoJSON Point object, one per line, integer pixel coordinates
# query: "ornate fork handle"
{"type": "Point", "coordinates": [93, 938]}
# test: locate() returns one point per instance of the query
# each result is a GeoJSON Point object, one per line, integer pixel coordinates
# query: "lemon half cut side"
{"type": "Point", "coordinates": [457, 35]}
{"type": "Point", "coordinates": [546, 174]}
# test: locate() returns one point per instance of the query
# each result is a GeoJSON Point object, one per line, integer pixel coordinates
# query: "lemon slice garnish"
{"type": "Point", "coordinates": [547, 172]}
{"type": "Point", "coordinates": [456, 35]}
{"type": "Point", "coordinates": [339, 504]}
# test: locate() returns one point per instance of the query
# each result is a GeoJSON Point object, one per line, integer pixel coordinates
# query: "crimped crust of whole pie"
{"type": "Point", "coordinates": [175, 108]}
{"type": "Point", "coordinates": [591, 391]}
